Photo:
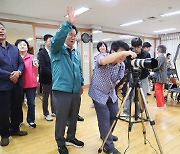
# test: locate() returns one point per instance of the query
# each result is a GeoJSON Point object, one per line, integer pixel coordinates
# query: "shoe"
{"type": "Point", "coordinates": [32, 125]}
{"type": "Point", "coordinates": [92, 105]}
{"type": "Point", "coordinates": [75, 143]}
{"type": "Point", "coordinates": [115, 138]}
{"type": "Point", "coordinates": [63, 150]}
{"type": "Point", "coordinates": [53, 115]}
{"type": "Point", "coordinates": [159, 108]}
{"type": "Point", "coordinates": [20, 124]}
{"type": "Point", "coordinates": [80, 118]}
{"type": "Point", "coordinates": [19, 133]}
{"type": "Point", "coordinates": [114, 151]}
{"type": "Point", "coordinates": [148, 94]}
{"type": "Point", "coordinates": [4, 141]}
{"type": "Point", "coordinates": [124, 116]}
{"type": "Point", "coordinates": [48, 118]}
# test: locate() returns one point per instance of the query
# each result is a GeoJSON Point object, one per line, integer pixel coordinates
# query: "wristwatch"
{"type": "Point", "coordinates": [20, 73]}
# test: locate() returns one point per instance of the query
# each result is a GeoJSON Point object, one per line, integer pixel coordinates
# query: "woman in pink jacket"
{"type": "Point", "coordinates": [29, 78]}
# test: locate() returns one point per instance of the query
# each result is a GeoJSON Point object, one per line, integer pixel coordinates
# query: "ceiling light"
{"type": "Point", "coordinates": [125, 37]}
{"type": "Point", "coordinates": [95, 41]}
{"type": "Point", "coordinates": [107, 39]}
{"type": "Point", "coordinates": [96, 31]}
{"type": "Point", "coordinates": [80, 11]}
{"type": "Point", "coordinates": [29, 39]}
{"type": "Point", "coordinates": [164, 30]}
{"type": "Point", "coordinates": [131, 23]}
{"type": "Point", "coordinates": [170, 14]}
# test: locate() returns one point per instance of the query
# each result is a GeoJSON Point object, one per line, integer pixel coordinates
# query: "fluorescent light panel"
{"type": "Point", "coordinates": [107, 39]}
{"type": "Point", "coordinates": [80, 11]}
{"type": "Point", "coordinates": [97, 31]}
{"type": "Point", "coordinates": [164, 30]}
{"type": "Point", "coordinates": [132, 23]}
{"type": "Point", "coordinates": [29, 39]}
{"type": "Point", "coordinates": [95, 41]}
{"type": "Point", "coordinates": [170, 14]}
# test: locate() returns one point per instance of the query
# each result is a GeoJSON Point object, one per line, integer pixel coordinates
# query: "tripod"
{"type": "Point", "coordinates": [135, 84]}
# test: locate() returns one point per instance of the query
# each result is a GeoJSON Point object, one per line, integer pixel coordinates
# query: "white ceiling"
{"type": "Point", "coordinates": [106, 15]}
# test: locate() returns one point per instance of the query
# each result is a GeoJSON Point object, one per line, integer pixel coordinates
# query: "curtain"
{"type": "Point", "coordinates": [171, 41]}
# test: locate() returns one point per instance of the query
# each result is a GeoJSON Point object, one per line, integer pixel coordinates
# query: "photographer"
{"type": "Point", "coordinates": [141, 54]}
{"type": "Point", "coordinates": [102, 89]}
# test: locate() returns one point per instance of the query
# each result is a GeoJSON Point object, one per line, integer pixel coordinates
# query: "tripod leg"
{"type": "Point", "coordinates": [152, 122]}
{"type": "Point", "coordinates": [115, 121]}
{"type": "Point", "coordinates": [142, 115]}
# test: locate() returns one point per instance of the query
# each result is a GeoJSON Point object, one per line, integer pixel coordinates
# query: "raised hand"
{"type": "Point", "coordinates": [71, 15]}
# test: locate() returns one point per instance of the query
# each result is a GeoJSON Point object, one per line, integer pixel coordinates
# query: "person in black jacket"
{"type": "Point", "coordinates": [45, 76]}
{"type": "Point", "coordinates": [141, 54]}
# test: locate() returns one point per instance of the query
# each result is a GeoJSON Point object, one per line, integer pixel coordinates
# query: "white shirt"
{"type": "Point", "coordinates": [48, 52]}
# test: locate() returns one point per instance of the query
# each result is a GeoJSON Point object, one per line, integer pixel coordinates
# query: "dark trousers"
{"type": "Point", "coordinates": [10, 110]}
{"type": "Point", "coordinates": [47, 90]}
{"type": "Point", "coordinates": [106, 114]}
{"type": "Point", "coordinates": [66, 108]}
{"type": "Point", "coordinates": [30, 95]}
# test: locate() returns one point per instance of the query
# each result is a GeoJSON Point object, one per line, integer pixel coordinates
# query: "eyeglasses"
{"type": "Point", "coordinates": [71, 35]}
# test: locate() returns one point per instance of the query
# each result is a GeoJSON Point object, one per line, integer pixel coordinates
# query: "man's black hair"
{"type": "Point", "coordinates": [162, 48]}
{"type": "Point", "coordinates": [20, 40]}
{"type": "Point", "coordinates": [2, 24]}
{"type": "Point", "coordinates": [146, 44]}
{"type": "Point", "coordinates": [47, 36]}
{"type": "Point", "coordinates": [100, 44]}
{"type": "Point", "coordinates": [74, 27]}
{"type": "Point", "coordinates": [136, 42]}
{"type": "Point", "coordinates": [116, 45]}
{"type": "Point", "coordinates": [168, 54]}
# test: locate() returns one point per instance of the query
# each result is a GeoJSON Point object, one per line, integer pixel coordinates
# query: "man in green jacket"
{"type": "Point", "coordinates": [67, 82]}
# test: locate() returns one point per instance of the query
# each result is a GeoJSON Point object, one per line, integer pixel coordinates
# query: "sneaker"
{"type": "Point", "coordinates": [114, 151]}
{"type": "Point", "coordinates": [19, 133]}
{"type": "Point", "coordinates": [53, 115]}
{"type": "Point", "coordinates": [48, 118]}
{"type": "Point", "coordinates": [75, 143]}
{"type": "Point", "coordinates": [124, 116]}
{"type": "Point", "coordinates": [80, 118]}
{"type": "Point", "coordinates": [159, 108]}
{"type": "Point", "coordinates": [92, 105]}
{"type": "Point", "coordinates": [148, 94]}
{"type": "Point", "coordinates": [32, 125]}
{"type": "Point", "coordinates": [62, 150]}
{"type": "Point", "coordinates": [115, 138]}
{"type": "Point", "coordinates": [4, 141]}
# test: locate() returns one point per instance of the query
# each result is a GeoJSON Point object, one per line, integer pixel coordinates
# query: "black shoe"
{"type": "Point", "coordinates": [80, 118]}
{"type": "Point", "coordinates": [32, 125]}
{"type": "Point", "coordinates": [19, 133]}
{"type": "Point", "coordinates": [4, 141]}
{"type": "Point", "coordinates": [75, 143]}
{"type": "Point", "coordinates": [148, 94]}
{"type": "Point", "coordinates": [63, 150]}
{"type": "Point", "coordinates": [114, 151]}
{"type": "Point", "coordinates": [115, 138]}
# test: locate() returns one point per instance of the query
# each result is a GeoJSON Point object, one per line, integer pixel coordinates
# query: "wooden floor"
{"type": "Point", "coordinates": [41, 139]}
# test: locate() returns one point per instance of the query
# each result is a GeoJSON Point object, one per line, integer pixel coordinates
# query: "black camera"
{"type": "Point", "coordinates": [148, 63]}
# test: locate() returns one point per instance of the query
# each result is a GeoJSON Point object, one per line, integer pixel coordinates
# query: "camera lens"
{"type": "Point", "coordinates": [148, 63]}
